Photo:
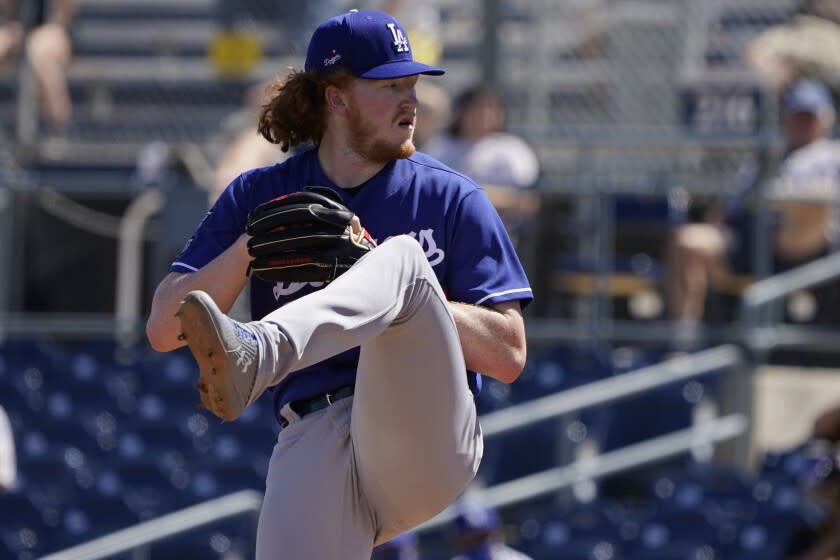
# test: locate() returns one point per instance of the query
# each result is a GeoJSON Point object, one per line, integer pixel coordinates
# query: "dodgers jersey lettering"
{"type": "Point", "coordinates": [449, 215]}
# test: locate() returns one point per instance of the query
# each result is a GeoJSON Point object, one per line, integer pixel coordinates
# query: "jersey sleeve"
{"type": "Point", "coordinates": [221, 226]}
{"type": "Point", "coordinates": [483, 267]}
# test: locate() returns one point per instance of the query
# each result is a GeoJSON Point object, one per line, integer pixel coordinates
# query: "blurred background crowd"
{"type": "Point", "coordinates": [669, 171]}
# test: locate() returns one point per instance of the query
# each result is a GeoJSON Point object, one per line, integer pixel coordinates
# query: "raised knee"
{"type": "Point", "coordinates": [405, 245]}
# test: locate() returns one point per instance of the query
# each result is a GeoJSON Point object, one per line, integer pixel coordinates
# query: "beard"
{"type": "Point", "coordinates": [363, 141]}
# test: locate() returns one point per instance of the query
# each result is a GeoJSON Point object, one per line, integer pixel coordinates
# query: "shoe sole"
{"type": "Point", "coordinates": [215, 385]}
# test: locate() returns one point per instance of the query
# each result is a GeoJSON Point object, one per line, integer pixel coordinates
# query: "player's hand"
{"type": "Point", "coordinates": [356, 228]}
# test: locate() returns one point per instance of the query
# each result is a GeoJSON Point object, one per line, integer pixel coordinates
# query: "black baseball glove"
{"type": "Point", "coordinates": [304, 236]}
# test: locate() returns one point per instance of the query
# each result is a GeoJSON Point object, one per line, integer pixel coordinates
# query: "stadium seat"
{"type": "Point", "coordinates": [256, 438]}
{"type": "Point", "coordinates": [223, 541]}
{"type": "Point", "coordinates": [23, 533]}
{"type": "Point", "coordinates": [92, 518]}
{"type": "Point", "coordinates": [149, 491]}
{"type": "Point", "coordinates": [519, 453]}
{"type": "Point", "coordinates": [579, 548]}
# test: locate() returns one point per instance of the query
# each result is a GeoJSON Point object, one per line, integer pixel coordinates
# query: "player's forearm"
{"type": "Point", "coordinates": [223, 278]}
{"type": "Point", "coordinates": [492, 339]}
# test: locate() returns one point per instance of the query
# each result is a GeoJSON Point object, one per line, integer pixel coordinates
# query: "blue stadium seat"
{"type": "Point", "coordinates": [52, 478]}
{"type": "Point", "coordinates": [108, 483]}
{"type": "Point", "coordinates": [757, 541]}
{"type": "Point", "coordinates": [579, 531]}
{"type": "Point", "coordinates": [204, 485]}
{"type": "Point", "coordinates": [151, 409]}
{"type": "Point", "coordinates": [519, 453]}
{"type": "Point", "coordinates": [92, 518]}
{"type": "Point", "coordinates": [23, 533]}
{"type": "Point", "coordinates": [210, 543]}
{"type": "Point", "coordinates": [173, 369]}
{"type": "Point", "coordinates": [674, 533]}
{"type": "Point", "coordinates": [153, 441]}
{"type": "Point", "coordinates": [149, 490]}
{"type": "Point", "coordinates": [68, 443]}
{"type": "Point", "coordinates": [24, 353]}
{"type": "Point", "coordinates": [678, 551]}
{"type": "Point", "coordinates": [579, 548]}
{"type": "Point", "coordinates": [199, 426]}
{"type": "Point", "coordinates": [257, 438]}
{"type": "Point", "coordinates": [233, 477]}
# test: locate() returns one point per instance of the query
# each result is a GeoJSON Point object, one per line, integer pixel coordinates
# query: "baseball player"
{"type": "Point", "coordinates": [370, 353]}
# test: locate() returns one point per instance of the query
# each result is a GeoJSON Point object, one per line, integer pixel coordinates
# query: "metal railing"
{"type": "Point", "coordinates": [762, 329]}
{"type": "Point", "coordinates": [604, 392]}
{"type": "Point", "coordinates": [601, 392]}
{"type": "Point", "coordinates": [139, 537]}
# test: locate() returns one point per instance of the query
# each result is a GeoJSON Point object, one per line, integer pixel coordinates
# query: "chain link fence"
{"type": "Point", "coordinates": [639, 97]}
{"type": "Point", "coordinates": [631, 85]}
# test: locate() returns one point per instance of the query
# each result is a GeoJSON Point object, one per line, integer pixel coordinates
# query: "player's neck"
{"type": "Point", "coordinates": [343, 166]}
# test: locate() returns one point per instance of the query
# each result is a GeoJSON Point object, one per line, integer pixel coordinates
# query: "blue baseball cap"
{"type": "Point", "coordinates": [367, 44]}
{"type": "Point", "coordinates": [807, 96]}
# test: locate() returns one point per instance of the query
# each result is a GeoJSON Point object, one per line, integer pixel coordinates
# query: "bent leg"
{"type": "Point", "coordinates": [695, 260]}
{"type": "Point", "coordinates": [354, 309]}
{"type": "Point", "coordinates": [415, 428]}
{"type": "Point", "coordinates": [415, 437]}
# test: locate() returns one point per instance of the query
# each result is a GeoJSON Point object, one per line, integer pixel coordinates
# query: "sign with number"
{"type": "Point", "coordinates": [722, 109]}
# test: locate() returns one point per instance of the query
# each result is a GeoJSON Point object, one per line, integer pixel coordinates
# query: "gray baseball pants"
{"type": "Point", "coordinates": [373, 465]}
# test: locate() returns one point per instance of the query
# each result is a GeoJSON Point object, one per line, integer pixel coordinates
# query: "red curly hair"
{"type": "Point", "coordinates": [296, 111]}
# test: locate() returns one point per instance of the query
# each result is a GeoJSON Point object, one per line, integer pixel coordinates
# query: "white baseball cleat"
{"type": "Point", "coordinates": [227, 353]}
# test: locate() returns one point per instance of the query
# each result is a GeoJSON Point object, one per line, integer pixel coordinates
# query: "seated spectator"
{"type": "Point", "coordinates": [48, 49]}
{"type": "Point", "coordinates": [807, 46]}
{"type": "Point", "coordinates": [402, 547]}
{"type": "Point", "coordinates": [803, 196]}
{"type": "Point", "coordinates": [476, 534]}
{"type": "Point", "coordinates": [503, 164]}
{"type": "Point", "coordinates": [244, 148]}
{"type": "Point", "coordinates": [433, 107]}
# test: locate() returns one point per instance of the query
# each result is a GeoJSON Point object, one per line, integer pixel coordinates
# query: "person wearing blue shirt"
{"type": "Point", "coordinates": [373, 375]}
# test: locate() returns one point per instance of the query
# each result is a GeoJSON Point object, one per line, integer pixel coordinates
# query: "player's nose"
{"type": "Point", "coordinates": [410, 99]}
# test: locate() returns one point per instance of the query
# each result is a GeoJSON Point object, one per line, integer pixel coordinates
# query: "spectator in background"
{"type": "Point", "coordinates": [433, 107]}
{"type": "Point", "coordinates": [476, 534]}
{"type": "Point", "coordinates": [45, 39]}
{"type": "Point", "coordinates": [803, 196]}
{"type": "Point", "coordinates": [8, 463]}
{"type": "Point", "coordinates": [477, 145]}
{"type": "Point", "coordinates": [422, 25]}
{"type": "Point", "coordinates": [402, 547]}
{"type": "Point", "coordinates": [807, 46]}
{"type": "Point", "coordinates": [244, 148]}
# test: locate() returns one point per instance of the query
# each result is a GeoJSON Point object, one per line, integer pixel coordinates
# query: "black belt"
{"type": "Point", "coordinates": [318, 402]}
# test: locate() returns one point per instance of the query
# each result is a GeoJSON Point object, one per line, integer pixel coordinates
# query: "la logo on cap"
{"type": "Point", "coordinates": [400, 40]}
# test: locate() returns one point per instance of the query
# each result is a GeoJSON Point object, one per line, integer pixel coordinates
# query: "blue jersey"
{"type": "Point", "coordinates": [449, 215]}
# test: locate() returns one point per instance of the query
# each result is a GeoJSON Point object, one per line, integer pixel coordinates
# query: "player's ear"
{"type": "Point", "coordinates": [336, 100]}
